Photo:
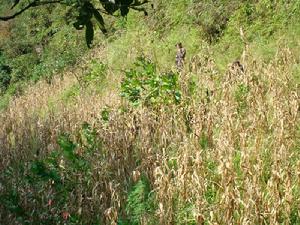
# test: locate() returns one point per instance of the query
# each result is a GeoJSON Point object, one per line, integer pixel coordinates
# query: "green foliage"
{"type": "Point", "coordinates": [5, 78]}
{"type": "Point", "coordinates": [11, 201]}
{"type": "Point", "coordinates": [210, 193]}
{"type": "Point", "coordinates": [70, 94]}
{"type": "Point", "coordinates": [86, 11]}
{"type": "Point", "coordinates": [42, 43]}
{"type": "Point", "coordinates": [212, 17]}
{"type": "Point", "coordinates": [237, 164]}
{"type": "Point", "coordinates": [264, 24]}
{"type": "Point", "coordinates": [240, 96]}
{"type": "Point", "coordinates": [5, 74]}
{"type": "Point", "coordinates": [192, 86]}
{"type": "Point", "coordinates": [39, 45]}
{"type": "Point", "coordinates": [185, 214]}
{"type": "Point", "coordinates": [4, 101]}
{"type": "Point", "coordinates": [140, 202]}
{"type": "Point", "coordinates": [143, 85]}
{"type": "Point", "coordinates": [295, 216]}
{"type": "Point", "coordinates": [105, 114]}
{"type": "Point", "coordinates": [96, 75]}
{"type": "Point", "coordinates": [203, 141]}
{"type": "Point", "coordinates": [172, 163]}
{"type": "Point", "coordinates": [50, 181]}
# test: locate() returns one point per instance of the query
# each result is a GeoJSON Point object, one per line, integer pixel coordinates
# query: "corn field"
{"type": "Point", "coordinates": [228, 153]}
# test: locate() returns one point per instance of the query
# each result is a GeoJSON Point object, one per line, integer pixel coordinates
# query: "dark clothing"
{"type": "Point", "coordinates": [180, 56]}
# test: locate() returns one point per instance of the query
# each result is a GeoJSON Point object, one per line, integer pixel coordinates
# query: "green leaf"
{"type": "Point", "coordinates": [39, 168]}
{"type": "Point", "coordinates": [100, 20]}
{"type": "Point", "coordinates": [67, 146]}
{"type": "Point", "coordinates": [124, 10]}
{"type": "Point", "coordinates": [89, 33]}
{"type": "Point", "coordinates": [109, 6]}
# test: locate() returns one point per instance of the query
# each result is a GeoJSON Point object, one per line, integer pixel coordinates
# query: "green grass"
{"type": "Point", "coordinates": [4, 101]}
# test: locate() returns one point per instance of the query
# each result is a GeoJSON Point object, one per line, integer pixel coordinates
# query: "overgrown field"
{"type": "Point", "coordinates": [224, 151]}
{"type": "Point", "coordinates": [123, 138]}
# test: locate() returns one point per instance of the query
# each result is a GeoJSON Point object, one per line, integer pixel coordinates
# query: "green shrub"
{"type": "Point", "coordinates": [144, 85]}
{"type": "Point", "coordinates": [96, 75]}
{"type": "Point", "coordinates": [105, 113]}
{"type": "Point", "coordinates": [5, 73]}
{"type": "Point", "coordinates": [50, 181]}
{"type": "Point", "coordinates": [41, 44]}
{"type": "Point", "coordinates": [5, 77]}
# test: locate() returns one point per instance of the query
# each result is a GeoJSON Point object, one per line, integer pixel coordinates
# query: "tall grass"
{"type": "Point", "coordinates": [228, 153]}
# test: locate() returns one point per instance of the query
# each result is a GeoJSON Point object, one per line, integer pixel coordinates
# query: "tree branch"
{"type": "Point", "coordinates": [31, 5]}
{"type": "Point", "coordinates": [140, 9]}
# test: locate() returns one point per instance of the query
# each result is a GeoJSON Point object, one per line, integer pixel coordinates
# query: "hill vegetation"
{"type": "Point", "coordinates": [116, 135]}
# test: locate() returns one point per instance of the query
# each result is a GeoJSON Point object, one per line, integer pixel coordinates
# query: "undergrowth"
{"type": "Point", "coordinates": [207, 145]}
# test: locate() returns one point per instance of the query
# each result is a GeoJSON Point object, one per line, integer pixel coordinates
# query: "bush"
{"type": "Point", "coordinates": [48, 183]}
{"type": "Point", "coordinates": [96, 74]}
{"type": "Point", "coordinates": [40, 45]}
{"type": "Point", "coordinates": [143, 85]}
{"type": "Point", "coordinates": [5, 73]}
{"type": "Point", "coordinates": [5, 77]}
{"type": "Point", "coordinates": [212, 17]}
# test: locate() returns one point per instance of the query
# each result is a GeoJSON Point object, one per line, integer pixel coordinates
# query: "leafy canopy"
{"type": "Point", "coordinates": [86, 11]}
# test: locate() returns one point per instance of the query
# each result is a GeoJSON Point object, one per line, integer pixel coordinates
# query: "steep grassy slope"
{"type": "Point", "coordinates": [124, 139]}
{"type": "Point", "coordinates": [35, 45]}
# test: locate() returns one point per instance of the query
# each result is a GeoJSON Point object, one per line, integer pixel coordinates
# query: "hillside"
{"type": "Point", "coordinates": [116, 135]}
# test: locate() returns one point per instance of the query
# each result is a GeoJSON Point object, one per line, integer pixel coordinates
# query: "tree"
{"type": "Point", "coordinates": [86, 11]}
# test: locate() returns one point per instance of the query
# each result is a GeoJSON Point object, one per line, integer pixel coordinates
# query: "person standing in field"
{"type": "Point", "coordinates": [180, 56]}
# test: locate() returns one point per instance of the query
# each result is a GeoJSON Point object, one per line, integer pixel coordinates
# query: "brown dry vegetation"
{"type": "Point", "coordinates": [226, 155]}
